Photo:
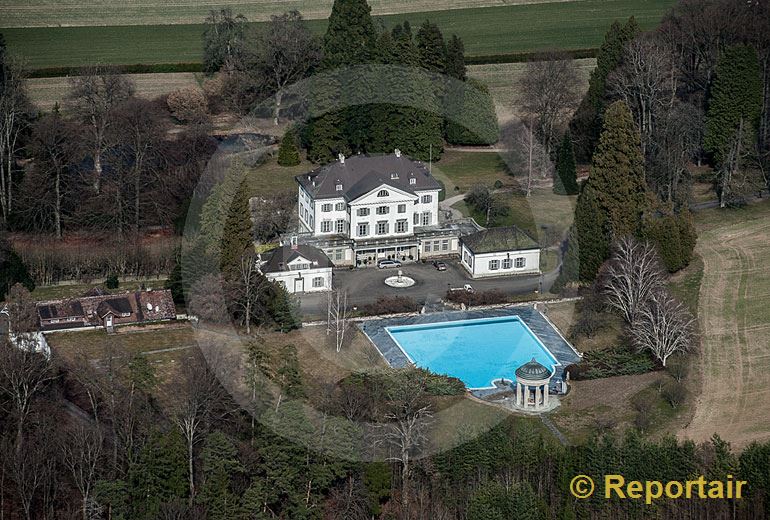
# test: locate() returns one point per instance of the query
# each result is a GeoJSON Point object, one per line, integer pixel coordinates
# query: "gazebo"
{"type": "Point", "coordinates": [532, 380]}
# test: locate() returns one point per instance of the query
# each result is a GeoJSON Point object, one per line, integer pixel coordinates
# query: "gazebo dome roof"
{"type": "Point", "coordinates": [532, 371]}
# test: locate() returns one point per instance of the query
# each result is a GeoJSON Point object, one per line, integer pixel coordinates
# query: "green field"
{"type": "Point", "coordinates": [485, 31]}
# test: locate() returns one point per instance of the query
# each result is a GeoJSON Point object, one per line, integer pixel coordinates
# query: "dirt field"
{"type": "Point", "coordinates": [735, 321]}
{"type": "Point", "coordinates": [46, 92]}
{"type": "Point", "coordinates": [54, 13]}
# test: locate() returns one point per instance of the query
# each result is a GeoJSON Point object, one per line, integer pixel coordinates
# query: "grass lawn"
{"type": "Point", "coordinates": [734, 319]}
{"type": "Point", "coordinates": [270, 177]}
{"type": "Point", "coordinates": [46, 92]}
{"type": "Point", "coordinates": [485, 30]}
{"type": "Point", "coordinates": [52, 292]}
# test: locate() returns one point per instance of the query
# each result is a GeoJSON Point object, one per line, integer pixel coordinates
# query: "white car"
{"type": "Point", "coordinates": [385, 264]}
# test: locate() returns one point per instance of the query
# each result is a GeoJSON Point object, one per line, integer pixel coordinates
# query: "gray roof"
{"type": "Point", "coordinates": [532, 371]}
{"type": "Point", "coordinates": [500, 239]}
{"type": "Point", "coordinates": [280, 257]}
{"type": "Point", "coordinates": [360, 174]}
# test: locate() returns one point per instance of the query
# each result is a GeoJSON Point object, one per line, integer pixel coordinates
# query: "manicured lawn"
{"type": "Point", "coordinates": [270, 177]}
{"type": "Point", "coordinates": [485, 30]}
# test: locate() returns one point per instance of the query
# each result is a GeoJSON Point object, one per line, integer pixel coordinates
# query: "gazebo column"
{"type": "Point", "coordinates": [537, 397]}
{"type": "Point", "coordinates": [545, 395]}
{"type": "Point", "coordinates": [518, 393]}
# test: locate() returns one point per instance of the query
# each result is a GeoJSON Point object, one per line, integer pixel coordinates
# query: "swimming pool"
{"type": "Point", "coordinates": [476, 351]}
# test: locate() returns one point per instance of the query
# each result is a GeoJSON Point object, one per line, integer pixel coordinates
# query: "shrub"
{"type": "Point", "coordinates": [675, 393]}
{"type": "Point", "coordinates": [610, 362]}
{"type": "Point", "coordinates": [288, 153]}
{"type": "Point", "coordinates": [112, 282]}
{"type": "Point", "coordinates": [391, 305]}
{"type": "Point", "coordinates": [188, 105]}
{"type": "Point", "coordinates": [491, 297]}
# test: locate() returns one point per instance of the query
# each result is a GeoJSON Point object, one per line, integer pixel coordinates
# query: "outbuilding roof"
{"type": "Point", "coordinates": [360, 174]}
{"type": "Point", "coordinates": [497, 240]}
{"type": "Point", "coordinates": [282, 256]}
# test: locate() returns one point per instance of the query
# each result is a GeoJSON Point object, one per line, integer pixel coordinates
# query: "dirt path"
{"type": "Point", "coordinates": [734, 321]}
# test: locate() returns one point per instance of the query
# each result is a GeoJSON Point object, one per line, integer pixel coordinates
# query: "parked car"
{"type": "Point", "coordinates": [385, 264]}
{"type": "Point", "coordinates": [441, 266]}
{"type": "Point", "coordinates": [467, 288]}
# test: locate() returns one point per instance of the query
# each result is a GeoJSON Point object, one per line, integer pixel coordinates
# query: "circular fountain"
{"type": "Point", "coordinates": [399, 281]}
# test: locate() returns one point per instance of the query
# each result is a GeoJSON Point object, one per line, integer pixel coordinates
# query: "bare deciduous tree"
{"type": "Point", "coordinates": [409, 416]}
{"type": "Point", "coordinates": [24, 373]}
{"type": "Point", "coordinates": [92, 97]}
{"type": "Point", "coordinates": [646, 80]}
{"type": "Point", "coordinates": [22, 311]}
{"type": "Point", "coordinates": [15, 111]}
{"type": "Point", "coordinates": [287, 51]}
{"type": "Point", "coordinates": [632, 276]}
{"type": "Point", "coordinates": [81, 454]}
{"type": "Point", "coordinates": [527, 156]}
{"type": "Point", "coordinates": [337, 316]}
{"type": "Point", "coordinates": [31, 470]}
{"type": "Point", "coordinates": [549, 93]}
{"type": "Point", "coordinates": [663, 326]}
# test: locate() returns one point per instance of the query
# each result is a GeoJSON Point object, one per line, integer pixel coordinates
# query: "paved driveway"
{"type": "Point", "coordinates": [368, 284]}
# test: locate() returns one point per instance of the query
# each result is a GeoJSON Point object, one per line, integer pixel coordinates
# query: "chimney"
{"type": "Point", "coordinates": [398, 152]}
{"type": "Point", "coordinates": [341, 158]}
{"type": "Point", "coordinates": [293, 242]}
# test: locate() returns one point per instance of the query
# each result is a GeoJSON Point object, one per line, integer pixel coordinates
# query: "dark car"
{"type": "Point", "coordinates": [441, 266]}
{"type": "Point", "coordinates": [385, 264]}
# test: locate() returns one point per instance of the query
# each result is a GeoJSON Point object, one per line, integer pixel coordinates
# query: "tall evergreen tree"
{"type": "Point", "coordinates": [431, 47]}
{"type": "Point", "coordinates": [237, 236]}
{"type": "Point", "coordinates": [350, 37]}
{"type": "Point", "coordinates": [593, 244]}
{"type": "Point", "coordinates": [220, 465]}
{"type": "Point", "coordinates": [455, 58]}
{"type": "Point", "coordinates": [736, 96]}
{"type": "Point", "coordinates": [12, 269]}
{"type": "Point", "coordinates": [288, 153]}
{"type": "Point", "coordinates": [159, 474]}
{"type": "Point", "coordinates": [617, 172]}
{"type": "Point", "coordinates": [565, 173]}
{"type": "Point", "coordinates": [586, 123]}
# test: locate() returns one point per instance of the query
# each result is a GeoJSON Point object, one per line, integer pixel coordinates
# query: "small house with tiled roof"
{"type": "Point", "coordinates": [299, 268]}
{"type": "Point", "coordinates": [498, 252]}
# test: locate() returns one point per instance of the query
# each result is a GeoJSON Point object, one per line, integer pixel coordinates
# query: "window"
{"type": "Point", "coordinates": [340, 206]}
{"type": "Point", "coordinates": [394, 175]}
{"type": "Point", "coordinates": [445, 245]}
{"type": "Point", "coordinates": [318, 281]}
{"type": "Point", "coordinates": [340, 228]}
{"type": "Point", "coordinates": [339, 254]}
{"type": "Point", "coordinates": [362, 212]}
{"type": "Point", "coordinates": [416, 219]}
{"type": "Point", "coordinates": [427, 247]}
{"type": "Point", "coordinates": [326, 208]}
{"type": "Point", "coordinates": [467, 257]}
{"type": "Point", "coordinates": [383, 193]}
{"type": "Point", "coordinates": [382, 227]}
{"type": "Point", "coordinates": [402, 208]}
{"type": "Point", "coordinates": [494, 265]}
{"type": "Point", "coordinates": [383, 210]}
{"type": "Point", "coordinates": [412, 181]}
{"type": "Point", "coordinates": [401, 226]}
{"type": "Point", "coordinates": [339, 187]}
{"type": "Point", "coordinates": [363, 229]}
{"type": "Point", "coordinates": [326, 226]}
{"type": "Point", "coordinates": [300, 267]}
{"type": "Point", "coordinates": [426, 218]}
{"type": "Point", "coordinates": [520, 262]}
{"type": "Point", "coordinates": [427, 199]}
{"type": "Point", "coordinates": [507, 263]}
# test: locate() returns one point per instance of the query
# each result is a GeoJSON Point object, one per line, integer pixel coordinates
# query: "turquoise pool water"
{"type": "Point", "coordinates": [475, 351]}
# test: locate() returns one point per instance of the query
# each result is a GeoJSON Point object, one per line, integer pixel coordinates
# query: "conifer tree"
{"type": "Point", "coordinates": [159, 474]}
{"type": "Point", "coordinates": [288, 153]}
{"type": "Point", "coordinates": [283, 308]}
{"type": "Point", "coordinates": [593, 244]}
{"type": "Point", "coordinates": [431, 47]}
{"type": "Point", "coordinates": [565, 173]}
{"type": "Point", "coordinates": [350, 37]}
{"type": "Point", "coordinates": [586, 123]}
{"type": "Point", "coordinates": [617, 172]}
{"type": "Point", "coordinates": [220, 465]}
{"type": "Point", "coordinates": [237, 235]}
{"type": "Point", "coordinates": [455, 58]}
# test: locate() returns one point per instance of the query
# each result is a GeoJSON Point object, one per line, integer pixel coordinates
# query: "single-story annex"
{"type": "Point", "coordinates": [299, 268]}
{"type": "Point", "coordinates": [498, 252]}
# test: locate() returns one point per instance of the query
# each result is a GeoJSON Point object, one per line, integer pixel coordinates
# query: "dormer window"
{"type": "Point", "coordinates": [394, 175]}
{"type": "Point", "coordinates": [339, 187]}
{"type": "Point", "coordinates": [383, 193]}
{"type": "Point", "coordinates": [412, 181]}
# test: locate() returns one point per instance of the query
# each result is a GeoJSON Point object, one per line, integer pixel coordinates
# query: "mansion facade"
{"type": "Point", "coordinates": [364, 208]}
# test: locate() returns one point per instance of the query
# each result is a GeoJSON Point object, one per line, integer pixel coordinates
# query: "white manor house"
{"type": "Point", "coordinates": [364, 208]}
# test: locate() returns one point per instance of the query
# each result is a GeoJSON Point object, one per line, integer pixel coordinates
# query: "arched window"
{"type": "Point", "coordinates": [383, 193]}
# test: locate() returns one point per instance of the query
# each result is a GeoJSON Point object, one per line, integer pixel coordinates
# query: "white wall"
{"type": "Point", "coordinates": [288, 278]}
{"type": "Point", "coordinates": [371, 202]}
{"type": "Point", "coordinates": [478, 265]}
{"type": "Point", "coordinates": [332, 216]}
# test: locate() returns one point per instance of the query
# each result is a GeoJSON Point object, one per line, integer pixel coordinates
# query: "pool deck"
{"type": "Point", "coordinates": [564, 353]}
